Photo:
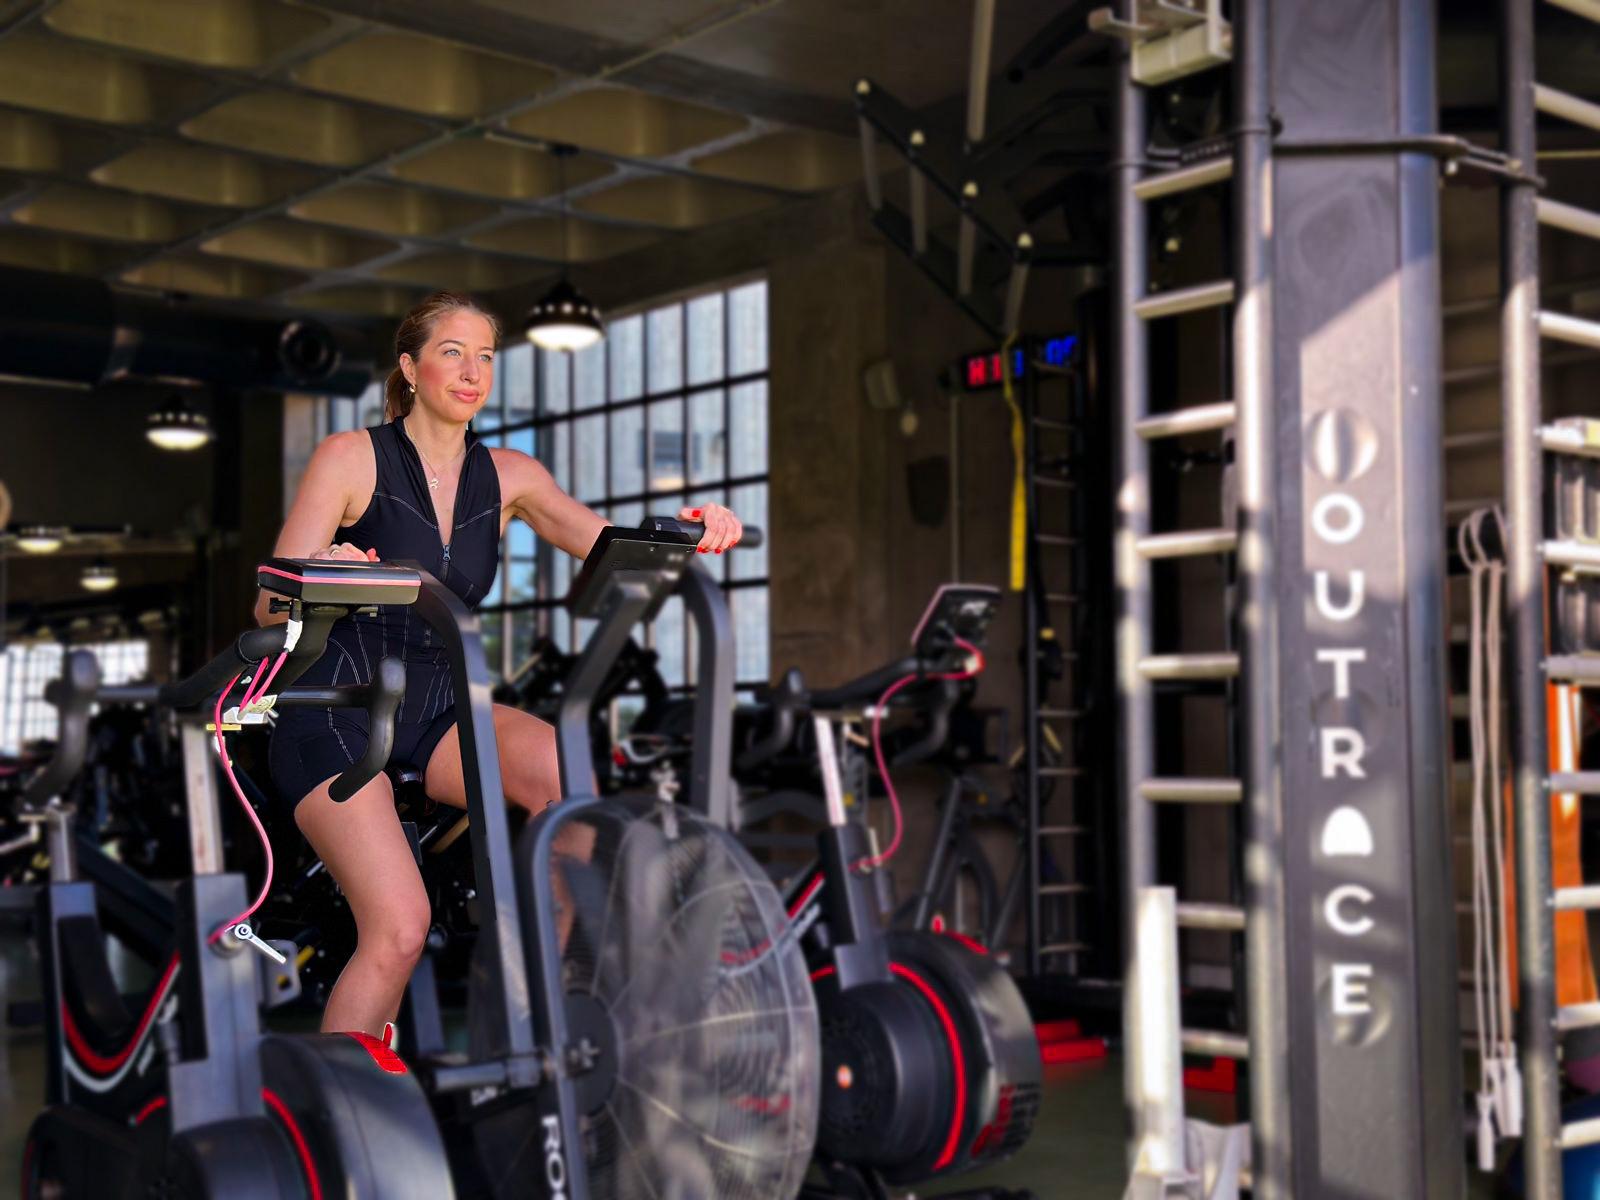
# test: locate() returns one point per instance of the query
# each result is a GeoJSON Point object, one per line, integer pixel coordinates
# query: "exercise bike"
{"type": "Point", "coordinates": [639, 1018]}
{"type": "Point", "coordinates": [183, 1094]}
{"type": "Point", "coordinates": [930, 1063]}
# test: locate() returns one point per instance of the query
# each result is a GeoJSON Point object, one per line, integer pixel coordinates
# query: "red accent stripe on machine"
{"type": "Point", "coordinates": [958, 1061]}
{"type": "Point", "coordinates": [100, 1063]}
{"type": "Point", "coordinates": [155, 1105]}
{"type": "Point", "coordinates": [313, 1184]}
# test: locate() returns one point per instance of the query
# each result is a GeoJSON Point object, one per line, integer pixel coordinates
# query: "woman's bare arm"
{"type": "Point", "coordinates": [562, 521]}
{"type": "Point", "coordinates": [535, 497]}
{"type": "Point", "coordinates": [338, 466]}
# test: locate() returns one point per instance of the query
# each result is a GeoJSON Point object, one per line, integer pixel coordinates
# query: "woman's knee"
{"type": "Point", "coordinates": [529, 766]}
{"type": "Point", "coordinates": [397, 935]}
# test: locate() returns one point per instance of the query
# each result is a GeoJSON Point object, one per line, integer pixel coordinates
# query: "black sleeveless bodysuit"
{"type": "Point", "coordinates": [311, 745]}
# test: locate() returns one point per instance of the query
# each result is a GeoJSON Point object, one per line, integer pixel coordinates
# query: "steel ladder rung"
{"type": "Point", "coordinates": [1568, 553]}
{"type": "Point", "coordinates": [1062, 713]}
{"type": "Point", "coordinates": [1061, 772]}
{"type": "Point", "coordinates": [1185, 300]}
{"type": "Point", "coordinates": [1216, 1043]}
{"type": "Point", "coordinates": [1580, 1133]}
{"type": "Point", "coordinates": [1053, 423]}
{"type": "Point", "coordinates": [1577, 1016]}
{"type": "Point", "coordinates": [1192, 790]}
{"type": "Point", "coordinates": [1063, 889]}
{"type": "Point", "coordinates": [1565, 328]}
{"type": "Point", "coordinates": [1199, 418]}
{"type": "Point", "coordinates": [1228, 917]}
{"type": "Point", "coordinates": [1581, 438]}
{"type": "Point", "coordinates": [1580, 783]}
{"type": "Point", "coordinates": [1569, 107]}
{"type": "Point", "coordinates": [1061, 597]}
{"type": "Point", "coordinates": [1064, 948]}
{"type": "Point", "coordinates": [1573, 668]}
{"type": "Point", "coordinates": [1190, 666]}
{"type": "Point", "coordinates": [1189, 543]}
{"type": "Point", "coordinates": [1184, 179]}
{"type": "Point", "coordinates": [1578, 899]}
{"type": "Point", "coordinates": [1568, 217]}
{"type": "Point", "coordinates": [1588, 9]}
{"type": "Point", "coordinates": [1054, 481]}
{"type": "Point", "coordinates": [1063, 830]}
{"type": "Point", "coordinates": [1055, 539]}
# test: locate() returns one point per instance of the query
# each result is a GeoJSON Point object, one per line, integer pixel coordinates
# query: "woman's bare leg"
{"type": "Point", "coordinates": [364, 848]}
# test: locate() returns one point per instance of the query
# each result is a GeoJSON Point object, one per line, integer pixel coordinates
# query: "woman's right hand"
{"type": "Point", "coordinates": [346, 551]}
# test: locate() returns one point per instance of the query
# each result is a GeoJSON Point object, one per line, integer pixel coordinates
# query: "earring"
{"type": "Point", "coordinates": [413, 389]}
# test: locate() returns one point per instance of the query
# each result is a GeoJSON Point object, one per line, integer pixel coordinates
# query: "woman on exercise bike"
{"type": "Point", "coordinates": [387, 493]}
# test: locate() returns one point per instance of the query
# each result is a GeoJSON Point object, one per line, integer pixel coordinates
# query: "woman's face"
{"type": "Point", "coordinates": [454, 372]}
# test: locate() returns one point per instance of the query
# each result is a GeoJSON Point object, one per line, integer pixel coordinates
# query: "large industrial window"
{"type": "Point", "coordinates": [669, 409]}
{"type": "Point", "coordinates": [25, 715]}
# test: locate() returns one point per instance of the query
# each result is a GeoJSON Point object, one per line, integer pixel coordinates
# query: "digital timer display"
{"type": "Point", "coordinates": [987, 370]}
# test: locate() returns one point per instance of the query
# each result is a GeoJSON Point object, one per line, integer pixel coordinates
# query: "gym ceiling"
{"type": "Point", "coordinates": [350, 155]}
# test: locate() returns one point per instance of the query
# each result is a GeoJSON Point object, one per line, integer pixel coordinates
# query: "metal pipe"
{"type": "Point", "coordinates": [1569, 329]}
{"type": "Point", "coordinates": [1134, 701]}
{"type": "Point", "coordinates": [1188, 543]}
{"type": "Point", "coordinates": [1183, 300]}
{"type": "Point", "coordinates": [1578, 899]}
{"type": "Point", "coordinates": [1192, 790]}
{"type": "Point", "coordinates": [1190, 666]}
{"type": "Point", "coordinates": [1156, 1092]}
{"type": "Point", "coordinates": [919, 212]}
{"type": "Point", "coordinates": [1588, 9]}
{"type": "Point", "coordinates": [1557, 104]}
{"type": "Point", "coordinates": [869, 162]}
{"type": "Point", "coordinates": [1034, 915]}
{"type": "Point", "coordinates": [978, 77]}
{"type": "Point", "coordinates": [1015, 288]}
{"type": "Point", "coordinates": [1215, 1043]}
{"type": "Point", "coordinates": [1200, 418]}
{"type": "Point", "coordinates": [1578, 555]}
{"type": "Point", "coordinates": [1260, 788]}
{"type": "Point", "coordinates": [1223, 917]}
{"type": "Point", "coordinates": [1568, 216]}
{"type": "Point", "coordinates": [1522, 468]}
{"type": "Point", "coordinates": [1184, 179]}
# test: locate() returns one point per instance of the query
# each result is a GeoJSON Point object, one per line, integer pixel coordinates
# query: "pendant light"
{"type": "Point", "coordinates": [99, 576]}
{"type": "Point", "coordinates": [40, 539]}
{"type": "Point", "coordinates": [178, 427]}
{"type": "Point", "coordinates": [564, 319]}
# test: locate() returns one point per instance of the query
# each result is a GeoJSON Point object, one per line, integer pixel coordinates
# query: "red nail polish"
{"type": "Point", "coordinates": [719, 551]}
{"type": "Point", "coordinates": [695, 512]}
{"type": "Point", "coordinates": [699, 549]}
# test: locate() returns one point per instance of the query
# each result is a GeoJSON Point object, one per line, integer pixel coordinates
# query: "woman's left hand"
{"type": "Point", "coordinates": [722, 527]}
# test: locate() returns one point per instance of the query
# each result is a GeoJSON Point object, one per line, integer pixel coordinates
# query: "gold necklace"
{"type": "Point", "coordinates": [433, 483]}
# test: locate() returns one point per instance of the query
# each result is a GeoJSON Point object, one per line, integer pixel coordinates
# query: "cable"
{"type": "Point", "coordinates": [266, 842]}
{"type": "Point", "coordinates": [877, 747]}
{"type": "Point", "coordinates": [1499, 1089]}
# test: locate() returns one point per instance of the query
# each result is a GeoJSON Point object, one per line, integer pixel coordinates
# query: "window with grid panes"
{"type": "Point", "coordinates": [25, 669]}
{"type": "Point", "coordinates": [670, 409]}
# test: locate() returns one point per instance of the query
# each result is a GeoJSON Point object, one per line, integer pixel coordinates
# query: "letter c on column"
{"type": "Point", "coordinates": [1349, 926]}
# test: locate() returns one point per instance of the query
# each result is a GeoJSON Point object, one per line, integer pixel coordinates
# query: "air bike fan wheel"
{"type": "Point", "coordinates": [680, 966]}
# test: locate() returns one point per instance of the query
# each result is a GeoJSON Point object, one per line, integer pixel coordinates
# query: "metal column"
{"type": "Point", "coordinates": [1132, 571]}
{"type": "Point", "coordinates": [1372, 1093]}
{"type": "Point", "coordinates": [1525, 610]}
{"type": "Point", "coordinates": [1255, 456]}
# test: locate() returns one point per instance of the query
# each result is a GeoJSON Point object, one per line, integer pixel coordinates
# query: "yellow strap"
{"type": "Point", "coordinates": [1019, 483]}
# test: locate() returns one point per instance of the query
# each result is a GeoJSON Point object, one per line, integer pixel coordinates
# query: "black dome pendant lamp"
{"type": "Point", "coordinates": [564, 318]}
